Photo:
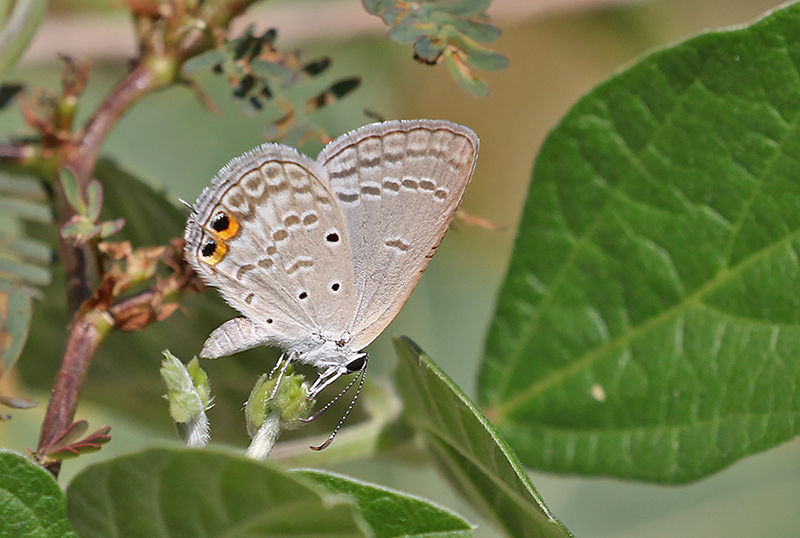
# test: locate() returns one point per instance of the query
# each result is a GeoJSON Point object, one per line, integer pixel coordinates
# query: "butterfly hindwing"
{"type": "Point", "coordinates": [398, 185]}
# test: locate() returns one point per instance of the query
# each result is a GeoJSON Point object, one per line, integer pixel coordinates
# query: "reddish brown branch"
{"type": "Point", "coordinates": [86, 333]}
{"type": "Point", "coordinates": [136, 84]}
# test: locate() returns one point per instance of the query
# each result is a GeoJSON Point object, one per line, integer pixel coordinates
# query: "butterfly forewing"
{"type": "Point", "coordinates": [271, 237]}
{"type": "Point", "coordinates": [398, 185]}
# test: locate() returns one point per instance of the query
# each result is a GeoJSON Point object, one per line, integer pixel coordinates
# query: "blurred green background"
{"type": "Point", "coordinates": [558, 51]}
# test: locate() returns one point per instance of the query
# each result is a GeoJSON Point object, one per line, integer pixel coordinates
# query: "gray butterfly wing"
{"type": "Point", "coordinates": [398, 184]}
{"type": "Point", "coordinates": [270, 236]}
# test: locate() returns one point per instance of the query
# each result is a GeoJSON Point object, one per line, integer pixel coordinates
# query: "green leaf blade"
{"type": "Point", "coordinates": [162, 493]}
{"type": "Point", "coordinates": [648, 327]}
{"type": "Point", "coordinates": [31, 503]}
{"type": "Point", "coordinates": [469, 450]}
{"type": "Point", "coordinates": [391, 513]}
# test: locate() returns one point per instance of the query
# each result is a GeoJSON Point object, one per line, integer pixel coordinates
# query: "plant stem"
{"type": "Point", "coordinates": [137, 83]}
{"type": "Point", "coordinates": [87, 331]}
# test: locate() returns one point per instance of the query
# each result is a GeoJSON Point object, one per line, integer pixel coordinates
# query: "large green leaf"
{"type": "Point", "coordinates": [178, 493]}
{"type": "Point", "coordinates": [649, 324]}
{"type": "Point", "coordinates": [391, 513]}
{"type": "Point", "coordinates": [31, 503]}
{"type": "Point", "coordinates": [469, 450]}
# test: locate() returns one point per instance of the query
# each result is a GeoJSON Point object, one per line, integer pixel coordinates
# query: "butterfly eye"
{"type": "Point", "coordinates": [212, 252]}
{"type": "Point", "coordinates": [357, 365]}
{"type": "Point", "coordinates": [225, 225]}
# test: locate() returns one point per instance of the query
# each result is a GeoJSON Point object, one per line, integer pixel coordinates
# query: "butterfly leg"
{"type": "Point", "coordinates": [359, 365]}
{"type": "Point", "coordinates": [326, 378]}
{"type": "Point", "coordinates": [283, 364]}
{"type": "Point", "coordinates": [277, 365]}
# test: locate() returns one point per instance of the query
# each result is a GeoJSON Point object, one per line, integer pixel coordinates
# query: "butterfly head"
{"type": "Point", "coordinates": [324, 351]}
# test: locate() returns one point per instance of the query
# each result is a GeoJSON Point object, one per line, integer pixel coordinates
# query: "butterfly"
{"type": "Point", "coordinates": [319, 256]}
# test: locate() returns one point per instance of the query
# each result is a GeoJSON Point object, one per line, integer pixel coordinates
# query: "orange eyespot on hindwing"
{"type": "Point", "coordinates": [212, 251]}
{"type": "Point", "coordinates": [224, 225]}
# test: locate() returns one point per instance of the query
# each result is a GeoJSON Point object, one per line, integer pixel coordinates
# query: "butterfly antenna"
{"type": "Point", "coordinates": [187, 204]}
{"type": "Point", "coordinates": [362, 376]}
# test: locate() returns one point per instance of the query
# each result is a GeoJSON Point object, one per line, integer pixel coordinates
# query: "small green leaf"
{"type": "Point", "coordinates": [70, 445]}
{"type": "Point", "coordinates": [15, 319]}
{"type": "Point", "coordinates": [23, 249]}
{"type": "Point", "coordinates": [72, 191]}
{"type": "Point", "coordinates": [266, 69]}
{"type": "Point", "coordinates": [94, 200]}
{"type": "Point", "coordinates": [23, 209]}
{"type": "Point", "coordinates": [474, 54]}
{"type": "Point", "coordinates": [73, 433]}
{"type": "Point", "coordinates": [79, 229]}
{"type": "Point", "coordinates": [484, 59]}
{"type": "Point", "coordinates": [163, 493]}
{"type": "Point", "coordinates": [17, 402]}
{"type": "Point", "coordinates": [392, 513]}
{"type": "Point", "coordinates": [32, 504]}
{"type": "Point", "coordinates": [480, 32]}
{"type": "Point", "coordinates": [392, 15]}
{"type": "Point", "coordinates": [375, 7]}
{"type": "Point", "coordinates": [23, 187]}
{"type": "Point", "coordinates": [426, 49]}
{"type": "Point", "coordinates": [468, 448]}
{"type": "Point", "coordinates": [203, 62]}
{"type": "Point", "coordinates": [648, 326]}
{"type": "Point", "coordinates": [464, 8]}
{"type": "Point", "coordinates": [464, 75]}
{"type": "Point", "coordinates": [109, 228]}
{"type": "Point", "coordinates": [29, 273]}
{"type": "Point", "coordinates": [409, 30]}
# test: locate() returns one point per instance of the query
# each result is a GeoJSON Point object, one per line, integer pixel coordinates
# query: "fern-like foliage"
{"type": "Point", "coordinates": [265, 78]}
{"type": "Point", "coordinates": [23, 268]}
{"type": "Point", "coordinates": [452, 31]}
